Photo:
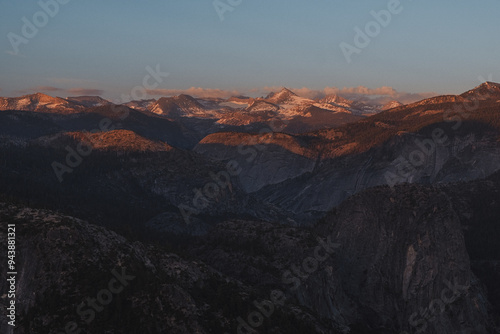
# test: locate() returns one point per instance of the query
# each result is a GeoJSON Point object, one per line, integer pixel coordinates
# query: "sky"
{"type": "Point", "coordinates": [247, 47]}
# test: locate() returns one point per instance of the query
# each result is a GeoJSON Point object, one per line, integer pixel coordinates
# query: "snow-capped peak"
{"type": "Point", "coordinates": [336, 99]}
{"type": "Point", "coordinates": [392, 104]}
{"type": "Point", "coordinates": [283, 96]}
{"type": "Point", "coordinates": [38, 102]}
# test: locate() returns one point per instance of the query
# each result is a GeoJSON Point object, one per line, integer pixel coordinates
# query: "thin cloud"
{"type": "Point", "coordinates": [48, 89]}
{"type": "Point", "coordinates": [362, 90]}
{"type": "Point", "coordinates": [22, 92]}
{"type": "Point", "coordinates": [85, 91]}
{"type": "Point", "coordinates": [379, 95]}
{"type": "Point", "coordinates": [194, 91]}
{"type": "Point", "coordinates": [72, 82]}
{"type": "Point", "coordinates": [61, 91]}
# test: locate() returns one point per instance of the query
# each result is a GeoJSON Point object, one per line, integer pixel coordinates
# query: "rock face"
{"type": "Point", "coordinates": [461, 158]}
{"type": "Point", "coordinates": [400, 262]}
{"type": "Point", "coordinates": [288, 172]}
{"type": "Point", "coordinates": [438, 140]}
{"type": "Point", "coordinates": [413, 272]}
{"type": "Point", "coordinates": [264, 159]}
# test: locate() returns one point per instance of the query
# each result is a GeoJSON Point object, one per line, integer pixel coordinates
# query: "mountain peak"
{"type": "Point", "coordinates": [42, 97]}
{"type": "Point", "coordinates": [184, 97]}
{"type": "Point", "coordinates": [490, 84]}
{"type": "Point", "coordinates": [487, 85]}
{"type": "Point", "coordinates": [282, 96]}
{"type": "Point", "coordinates": [38, 94]}
{"type": "Point", "coordinates": [180, 105]}
{"type": "Point", "coordinates": [391, 105]}
{"type": "Point", "coordinates": [38, 102]}
{"type": "Point", "coordinates": [286, 90]}
{"type": "Point", "coordinates": [484, 91]}
{"type": "Point", "coordinates": [88, 101]}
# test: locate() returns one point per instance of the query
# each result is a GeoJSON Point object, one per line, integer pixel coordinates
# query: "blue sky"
{"type": "Point", "coordinates": [104, 46]}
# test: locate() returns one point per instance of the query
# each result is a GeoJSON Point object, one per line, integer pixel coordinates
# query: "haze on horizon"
{"type": "Point", "coordinates": [103, 48]}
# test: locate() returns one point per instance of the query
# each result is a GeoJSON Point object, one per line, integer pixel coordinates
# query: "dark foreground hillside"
{"type": "Point", "coordinates": [413, 258]}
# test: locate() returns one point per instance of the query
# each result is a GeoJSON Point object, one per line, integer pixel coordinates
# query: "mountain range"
{"type": "Point", "coordinates": [247, 113]}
